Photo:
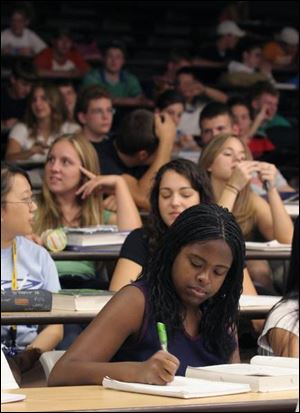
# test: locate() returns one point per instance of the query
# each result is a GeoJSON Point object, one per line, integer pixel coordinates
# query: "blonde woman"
{"type": "Point", "coordinates": [45, 119]}
{"type": "Point", "coordinates": [70, 197]}
{"type": "Point", "coordinates": [226, 160]}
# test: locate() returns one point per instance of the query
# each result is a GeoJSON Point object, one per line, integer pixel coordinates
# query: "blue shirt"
{"type": "Point", "coordinates": [189, 350]}
{"type": "Point", "coordinates": [35, 270]}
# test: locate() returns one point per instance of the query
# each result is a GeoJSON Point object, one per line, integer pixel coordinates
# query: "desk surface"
{"type": "Point", "coordinates": [70, 317]}
{"type": "Point", "coordinates": [88, 398]}
{"type": "Point", "coordinates": [113, 254]}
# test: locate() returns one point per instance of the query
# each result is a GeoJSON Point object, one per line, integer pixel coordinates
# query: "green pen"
{"type": "Point", "coordinates": [162, 334]}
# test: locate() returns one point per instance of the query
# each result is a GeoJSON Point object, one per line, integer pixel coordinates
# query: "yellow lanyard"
{"type": "Point", "coordinates": [14, 282]}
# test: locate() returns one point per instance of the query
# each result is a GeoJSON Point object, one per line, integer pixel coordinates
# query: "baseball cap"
{"type": "Point", "coordinates": [229, 27]}
{"type": "Point", "coordinates": [289, 35]}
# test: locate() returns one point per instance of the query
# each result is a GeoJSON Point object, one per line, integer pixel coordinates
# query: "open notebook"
{"type": "Point", "coordinates": [181, 387]}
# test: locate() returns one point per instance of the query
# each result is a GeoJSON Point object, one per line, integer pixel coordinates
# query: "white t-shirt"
{"type": "Point", "coordinates": [189, 122]}
{"type": "Point", "coordinates": [28, 39]}
{"type": "Point", "coordinates": [284, 316]}
{"type": "Point", "coordinates": [238, 67]}
{"type": "Point", "coordinates": [20, 133]}
{"type": "Point", "coordinates": [35, 270]}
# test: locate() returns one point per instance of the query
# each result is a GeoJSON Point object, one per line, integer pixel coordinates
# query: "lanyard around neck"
{"type": "Point", "coordinates": [14, 282]}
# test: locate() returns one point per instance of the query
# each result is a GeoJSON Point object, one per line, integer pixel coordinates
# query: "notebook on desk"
{"type": "Point", "coordinates": [181, 387]}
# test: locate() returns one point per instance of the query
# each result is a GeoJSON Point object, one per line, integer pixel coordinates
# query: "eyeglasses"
{"type": "Point", "coordinates": [30, 202]}
{"type": "Point", "coordinates": [102, 112]}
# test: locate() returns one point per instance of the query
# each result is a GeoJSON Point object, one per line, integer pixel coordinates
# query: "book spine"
{"type": "Point", "coordinates": [26, 300]}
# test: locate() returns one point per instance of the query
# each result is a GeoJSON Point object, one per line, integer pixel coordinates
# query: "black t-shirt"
{"type": "Point", "coordinates": [111, 164]}
{"type": "Point", "coordinates": [212, 53]}
{"type": "Point", "coordinates": [11, 108]}
{"type": "Point", "coordinates": [135, 247]}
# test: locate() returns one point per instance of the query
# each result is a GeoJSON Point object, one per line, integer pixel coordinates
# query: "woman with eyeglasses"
{"type": "Point", "coordinates": [24, 265]}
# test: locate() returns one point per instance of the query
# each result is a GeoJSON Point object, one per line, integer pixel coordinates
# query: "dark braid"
{"type": "Point", "coordinates": [198, 180]}
{"type": "Point", "coordinates": [200, 223]}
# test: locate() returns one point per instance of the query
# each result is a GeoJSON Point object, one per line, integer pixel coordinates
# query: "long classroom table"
{"type": "Point", "coordinates": [97, 398]}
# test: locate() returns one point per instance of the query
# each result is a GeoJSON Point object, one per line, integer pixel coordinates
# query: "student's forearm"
{"type": "Point", "coordinates": [215, 94]}
{"type": "Point", "coordinates": [10, 157]}
{"type": "Point", "coordinates": [228, 198]}
{"type": "Point", "coordinates": [73, 373]}
{"type": "Point", "coordinates": [48, 338]}
{"type": "Point", "coordinates": [163, 156]}
{"type": "Point", "coordinates": [282, 223]}
{"type": "Point", "coordinates": [128, 217]}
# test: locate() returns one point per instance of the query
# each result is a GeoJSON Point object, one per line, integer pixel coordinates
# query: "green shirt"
{"type": "Point", "coordinates": [127, 86]}
{"type": "Point", "coordinates": [276, 121]}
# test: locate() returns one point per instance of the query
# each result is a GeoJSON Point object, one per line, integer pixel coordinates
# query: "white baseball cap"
{"type": "Point", "coordinates": [289, 35]}
{"type": "Point", "coordinates": [229, 27]}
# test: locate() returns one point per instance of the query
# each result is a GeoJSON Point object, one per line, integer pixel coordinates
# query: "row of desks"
{"type": "Point", "coordinates": [112, 253]}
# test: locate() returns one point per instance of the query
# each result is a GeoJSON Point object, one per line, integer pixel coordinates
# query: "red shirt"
{"type": "Point", "coordinates": [45, 61]}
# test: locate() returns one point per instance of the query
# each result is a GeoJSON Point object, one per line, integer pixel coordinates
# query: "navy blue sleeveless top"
{"type": "Point", "coordinates": [189, 350]}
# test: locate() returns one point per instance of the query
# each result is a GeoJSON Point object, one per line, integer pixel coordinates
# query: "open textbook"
{"type": "Point", "coordinates": [263, 374]}
{"type": "Point", "coordinates": [182, 387]}
{"type": "Point", "coordinates": [267, 246]}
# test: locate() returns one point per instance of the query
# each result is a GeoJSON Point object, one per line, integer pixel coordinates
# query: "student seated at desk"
{"type": "Point", "coordinates": [280, 335]}
{"type": "Point", "coordinates": [24, 265]}
{"type": "Point", "coordinates": [70, 198]}
{"type": "Point", "coordinates": [194, 279]}
{"type": "Point", "coordinates": [227, 163]}
{"type": "Point", "coordinates": [178, 185]}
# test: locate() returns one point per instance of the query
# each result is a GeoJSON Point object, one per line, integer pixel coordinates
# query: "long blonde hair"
{"type": "Point", "coordinates": [49, 214]}
{"type": "Point", "coordinates": [58, 110]}
{"type": "Point", "coordinates": [243, 208]}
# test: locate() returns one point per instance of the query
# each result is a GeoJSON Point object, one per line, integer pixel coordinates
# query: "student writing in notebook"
{"type": "Point", "coordinates": [192, 284]}
{"type": "Point", "coordinates": [24, 266]}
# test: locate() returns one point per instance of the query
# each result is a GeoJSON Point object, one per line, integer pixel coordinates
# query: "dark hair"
{"type": "Point", "coordinates": [25, 70]}
{"type": "Point", "coordinates": [200, 223]}
{"type": "Point", "coordinates": [60, 32]}
{"type": "Point", "coordinates": [239, 101]}
{"type": "Point", "coordinates": [188, 70]}
{"type": "Point", "coordinates": [199, 181]}
{"type": "Point", "coordinates": [263, 87]}
{"type": "Point", "coordinates": [213, 109]}
{"type": "Point", "coordinates": [137, 133]}
{"type": "Point", "coordinates": [246, 45]}
{"type": "Point", "coordinates": [167, 98]}
{"type": "Point", "coordinates": [8, 171]}
{"type": "Point", "coordinates": [115, 44]}
{"type": "Point", "coordinates": [86, 95]}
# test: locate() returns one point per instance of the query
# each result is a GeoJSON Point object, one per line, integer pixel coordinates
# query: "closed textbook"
{"type": "Point", "coordinates": [95, 236]}
{"type": "Point", "coordinates": [81, 300]}
{"type": "Point", "coordinates": [263, 374]}
{"type": "Point", "coordinates": [181, 387]}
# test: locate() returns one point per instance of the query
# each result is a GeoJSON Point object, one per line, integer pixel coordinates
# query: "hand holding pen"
{"type": "Point", "coordinates": [162, 366]}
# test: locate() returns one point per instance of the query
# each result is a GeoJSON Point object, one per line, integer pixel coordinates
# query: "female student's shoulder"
{"type": "Point", "coordinates": [135, 247]}
{"type": "Point", "coordinates": [39, 261]}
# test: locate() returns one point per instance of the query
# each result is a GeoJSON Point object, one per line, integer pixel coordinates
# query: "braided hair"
{"type": "Point", "coordinates": [156, 227]}
{"type": "Point", "coordinates": [200, 223]}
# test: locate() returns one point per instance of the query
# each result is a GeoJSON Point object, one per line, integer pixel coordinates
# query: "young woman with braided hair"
{"type": "Point", "coordinates": [192, 280]}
